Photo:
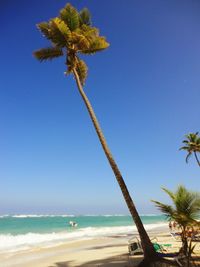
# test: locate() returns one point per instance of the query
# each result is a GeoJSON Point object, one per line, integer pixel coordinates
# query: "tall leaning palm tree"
{"type": "Point", "coordinates": [192, 145]}
{"type": "Point", "coordinates": [71, 34]}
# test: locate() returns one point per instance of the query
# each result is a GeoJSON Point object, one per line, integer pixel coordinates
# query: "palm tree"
{"type": "Point", "coordinates": [192, 145]}
{"type": "Point", "coordinates": [71, 34]}
{"type": "Point", "coordinates": [184, 211]}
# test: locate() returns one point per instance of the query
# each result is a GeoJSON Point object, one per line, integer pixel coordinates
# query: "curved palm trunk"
{"type": "Point", "coordinates": [145, 241]}
{"type": "Point", "coordinates": [195, 154]}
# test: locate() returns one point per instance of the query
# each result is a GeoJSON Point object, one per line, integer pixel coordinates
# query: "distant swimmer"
{"type": "Point", "coordinates": [73, 224]}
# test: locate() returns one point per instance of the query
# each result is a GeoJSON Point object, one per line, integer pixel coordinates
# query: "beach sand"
{"type": "Point", "coordinates": [108, 251]}
{"type": "Point", "coordinates": [102, 251]}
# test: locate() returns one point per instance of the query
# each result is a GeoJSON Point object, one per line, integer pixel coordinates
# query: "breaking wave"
{"type": "Point", "coordinates": [13, 243]}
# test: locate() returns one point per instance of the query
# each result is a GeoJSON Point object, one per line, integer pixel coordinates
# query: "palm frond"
{"type": "Point", "coordinates": [79, 41]}
{"type": "Point", "coordinates": [82, 70]}
{"type": "Point", "coordinates": [91, 33]}
{"type": "Point", "coordinates": [185, 209]}
{"type": "Point", "coordinates": [70, 16]}
{"type": "Point", "coordinates": [57, 37]}
{"type": "Point", "coordinates": [63, 28]}
{"type": "Point", "coordinates": [192, 137]}
{"type": "Point", "coordinates": [48, 53]}
{"type": "Point", "coordinates": [191, 145]}
{"type": "Point", "coordinates": [71, 32]}
{"type": "Point", "coordinates": [198, 141]}
{"type": "Point", "coordinates": [88, 30]}
{"type": "Point", "coordinates": [166, 209]}
{"type": "Point", "coordinates": [183, 200]}
{"type": "Point", "coordinates": [188, 156]}
{"type": "Point", "coordinates": [170, 193]}
{"type": "Point", "coordinates": [96, 45]}
{"type": "Point", "coordinates": [52, 32]}
{"type": "Point", "coordinates": [44, 28]}
{"type": "Point", "coordinates": [85, 17]}
{"type": "Point", "coordinates": [185, 148]}
{"type": "Point", "coordinates": [194, 205]}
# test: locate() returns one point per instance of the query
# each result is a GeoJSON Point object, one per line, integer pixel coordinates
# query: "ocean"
{"type": "Point", "coordinates": [21, 232]}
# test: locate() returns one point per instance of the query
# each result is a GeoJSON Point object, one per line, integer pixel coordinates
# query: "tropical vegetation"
{"type": "Point", "coordinates": [192, 146]}
{"type": "Point", "coordinates": [71, 35]}
{"type": "Point", "coordinates": [185, 211]}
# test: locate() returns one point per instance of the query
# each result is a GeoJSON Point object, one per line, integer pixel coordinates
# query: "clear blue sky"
{"type": "Point", "coordinates": [145, 90]}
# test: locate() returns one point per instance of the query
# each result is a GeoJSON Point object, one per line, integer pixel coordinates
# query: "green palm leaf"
{"type": "Point", "coordinates": [57, 37]}
{"type": "Point", "coordinates": [48, 53]}
{"type": "Point", "coordinates": [63, 28]}
{"type": "Point", "coordinates": [185, 209]}
{"type": "Point", "coordinates": [96, 45]}
{"type": "Point", "coordinates": [166, 209]}
{"type": "Point", "coordinates": [72, 32]}
{"type": "Point", "coordinates": [170, 193]}
{"type": "Point", "coordinates": [79, 41]}
{"type": "Point", "coordinates": [192, 145]}
{"type": "Point", "coordinates": [70, 16]}
{"type": "Point", "coordinates": [45, 29]}
{"type": "Point", "coordinates": [188, 156]}
{"type": "Point", "coordinates": [88, 31]}
{"type": "Point", "coordinates": [184, 148]}
{"type": "Point", "coordinates": [85, 17]}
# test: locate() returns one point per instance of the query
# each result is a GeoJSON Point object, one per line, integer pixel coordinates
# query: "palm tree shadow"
{"type": "Point", "coordinates": [118, 261]}
{"type": "Point", "coordinates": [196, 259]}
{"type": "Point", "coordinates": [61, 264]}
{"type": "Point", "coordinates": [105, 246]}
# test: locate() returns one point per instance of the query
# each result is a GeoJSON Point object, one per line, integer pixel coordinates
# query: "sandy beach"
{"type": "Point", "coordinates": [101, 251]}
{"type": "Point", "coordinates": [104, 251]}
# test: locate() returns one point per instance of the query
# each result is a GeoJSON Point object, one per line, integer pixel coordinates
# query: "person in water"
{"type": "Point", "coordinates": [73, 224]}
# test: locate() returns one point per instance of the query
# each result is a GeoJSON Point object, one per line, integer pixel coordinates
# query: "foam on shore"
{"type": "Point", "coordinates": [13, 243]}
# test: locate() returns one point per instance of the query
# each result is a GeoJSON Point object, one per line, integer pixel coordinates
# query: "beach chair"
{"type": "Point", "coordinates": [177, 257]}
{"type": "Point", "coordinates": [160, 247]}
{"type": "Point", "coordinates": [134, 246]}
{"type": "Point", "coordinates": [196, 237]}
{"type": "Point", "coordinates": [176, 235]}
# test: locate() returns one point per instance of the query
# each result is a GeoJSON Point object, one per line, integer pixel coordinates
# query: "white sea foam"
{"type": "Point", "coordinates": [11, 243]}
{"type": "Point", "coordinates": [150, 214]}
{"type": "Point", "coordinates": [105, 215]}
{"type": "Point", "coordinates": [115, 215]}
{"type": "Point", "coordinates": [70, 215]}
{"type": "Point", "coordinates": [4, 216]}
{"type": "Point", "coordinates": [38, 215]}
{"type": "Point", "coordinates": [60, 215]}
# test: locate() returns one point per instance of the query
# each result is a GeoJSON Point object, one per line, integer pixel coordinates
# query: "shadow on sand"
{"type": "Point", "coordinates": [117, 261]}
{"type": "Point", "coordinates": [123, 260]}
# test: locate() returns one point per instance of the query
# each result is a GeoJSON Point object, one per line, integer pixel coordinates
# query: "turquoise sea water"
{"type": "Point", "coordinates": [24, 231]}
{"type": "Point", "coordinates": [23, 224]}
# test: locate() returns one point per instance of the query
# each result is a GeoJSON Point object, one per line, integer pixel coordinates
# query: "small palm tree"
{"type": "Point", "coordinates": [192, 145]}
{"type": "Point", "coordinates": [185, 210]}
{"type": "Point", "coordinates": [71, 34]}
